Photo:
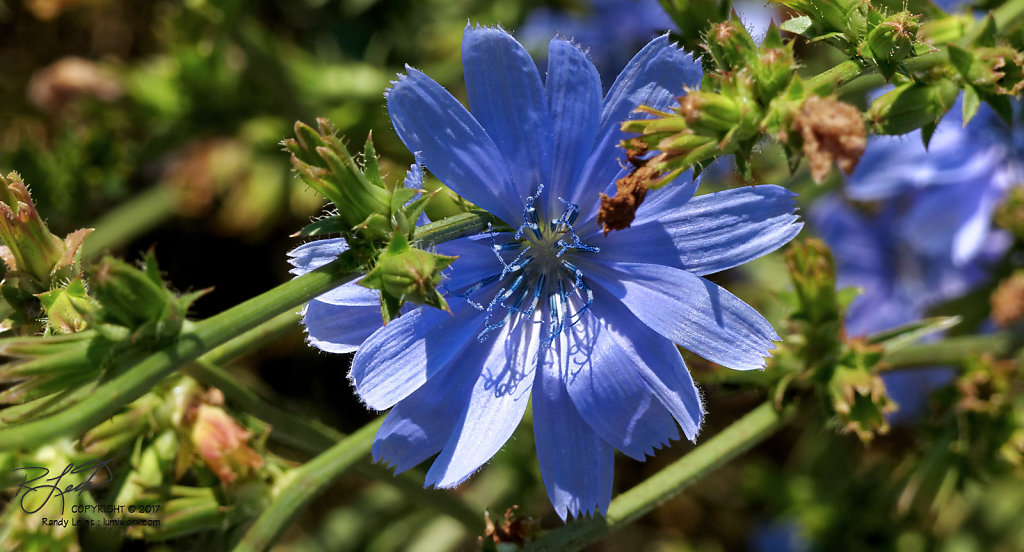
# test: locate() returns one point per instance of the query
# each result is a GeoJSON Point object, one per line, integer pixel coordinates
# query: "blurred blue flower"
{"type": "Point", "coordinates": [584, 322]}
{"type": "Point", "coordinates": [925, 235]}
{"type": "Point", "coordinates": [612, 30]}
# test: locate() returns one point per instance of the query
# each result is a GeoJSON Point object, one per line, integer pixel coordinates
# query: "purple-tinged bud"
{"type": "Point", "coordinates": [28, 245]}
{"type": "Point", "coordinates": [730, 45]}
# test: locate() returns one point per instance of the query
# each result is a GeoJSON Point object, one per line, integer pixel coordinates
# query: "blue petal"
{"type": "Point", "coordinates": [340, 329]}
{"type": "Point", "coordinates": [691, 311]}
{"type": "Point", "coordinates": [654, 77]}
{"type": "Point", "coordinates": [658, 364]}
{"type": "Point", "coordinates": [497, 401]}
{"type": "Point", "coordinates": [575, 463]}
{"type": "Point", "coordinates": [400, 357]}
{"type": "Point", "coordinates": [452, 144]}
{"type": "Point", "coordinates": [597, 361]}
{"type": "Point", "coordinates": [574, 100]}
{"type": "Point", "coordinates": [507, 98]}
{"type": "Point", "coordinates": [311, 256]}
{"type": "Point", "coordinates": [709, 233]}
{"type": "Point", "coordinates": [420, 424]}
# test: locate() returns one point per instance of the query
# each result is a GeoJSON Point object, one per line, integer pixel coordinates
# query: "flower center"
{"type": "Point", "coordinates": [539, 283]}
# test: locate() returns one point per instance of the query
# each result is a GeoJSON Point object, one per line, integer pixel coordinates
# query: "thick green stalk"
{"type": "Point", "coordinates": [305, 483]}
{"type": "Point", "coordinates": [732, 441]}
{"type": "Point", "coordinates": [952, 350]}
{"type": "Point", "coordinates": [836, 76]}
{"type": "Point", "coordinates": [134, 379]}
{"type": "Point", "coordinates": [131, 219]}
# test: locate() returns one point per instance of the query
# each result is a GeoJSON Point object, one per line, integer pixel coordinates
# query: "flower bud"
{"type": "Point", "coordinates": [403, 273]}
{"type": "Point", "coordinates": [66, 307]}
{"type": "Point", "coordinates": [29, 247]}
{"type": "Point", "coordinates": [892, 40]}
{"type": "Point", "coordinates": [912, 106]}
{"type": "Point", "coordinates": [814, 278]}
{"type": "Point", "coordinates": [730, 45]}
{"type": "Point", "coordinates": [186, 511]}
{"type": "Point", "coordinates": [223, 444]}
{"type": "Point", "coordinates": [998, 70]}
{"type": "Point", "coordinates": [774, 67]}
{"type": "Point", "coordinates": [323, 162]}
{"type": "Point", "coordinates": [139, 299]}
{"type": "Point", "coordinates": [692, 18]}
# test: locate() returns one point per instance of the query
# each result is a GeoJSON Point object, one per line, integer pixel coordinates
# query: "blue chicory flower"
{"type": "Point", "coordinates": [927, 236]}
{"type": "Point", "coordinates": [585, 323]}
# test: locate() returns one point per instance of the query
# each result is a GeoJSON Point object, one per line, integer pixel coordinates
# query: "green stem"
{"type": "Point", "coordinates": [130, 220]}
{"type": "Point", "coordinates": [746, 432]}
{"type": "Point", "coordinates": [305, 483]}
{"type": "Point", "coordinates": [836, 76]}
{"type": "Point", "coordinates": [952, 351]}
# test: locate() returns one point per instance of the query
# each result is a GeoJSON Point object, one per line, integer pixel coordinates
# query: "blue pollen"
{"type": "Point", "coordinates": [540, 267]}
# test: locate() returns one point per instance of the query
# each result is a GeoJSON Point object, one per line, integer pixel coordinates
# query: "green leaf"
{"type": "Point", "coordinates": [1001, 105]}
{"type": "Point", "coordinates": [370, 166]}
{"type": "Point", "coordinates": [333, 224]}
{"type": "Point", "coordinates": [909, 334]}
{"type": "Point", "coordinates": [798, 25]}
{"type": "Point", "coordinates": [961, 59]}
{"type": "Point", "coordinates": [971, 103]}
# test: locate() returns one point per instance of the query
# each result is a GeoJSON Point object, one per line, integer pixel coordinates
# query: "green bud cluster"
{"type": "Point", "coordinates": [728, 115]}
{"type": "Point", "coordinates": [843, 371]}
{"type": "Point", "coordinates": [755, 93]}
{"type": "Point", "coordinates": [377, 218]}
{"type": "Point", "coordinates": [369, 210]}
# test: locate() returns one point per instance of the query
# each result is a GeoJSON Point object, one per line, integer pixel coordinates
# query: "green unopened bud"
{"type": "Point", "coordinates": [730, 45]}
{"type": "Point", "coordinates": [692, 18]}
{"type": "Point", "coordinates": [404, 273]}
{"type": "Point", "coordinates": [847, 17]}
{"type": "Point", "coordinates": [998, 70]}
{"type": "Point", "coordinates": [150, 466]}
{"type": "Point", "coordinates": [66, 308]}
{"type": "Point", "coordinates": [774, 67]}
{"type": "Point", "coordinates": [139, 299]}
{"type": "Point", "coordinates": [814, 278]}
{"type": "Point", "coordinates": [1009, 214]}
{"type": "Point", "coordinates": [912, 106]}
{"type": "Point", "coordinates": [323, 162]}
{"type": "Point", "coordinates": [30, 247]}
{"type": "Point", "coordinates": [892, 40]}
